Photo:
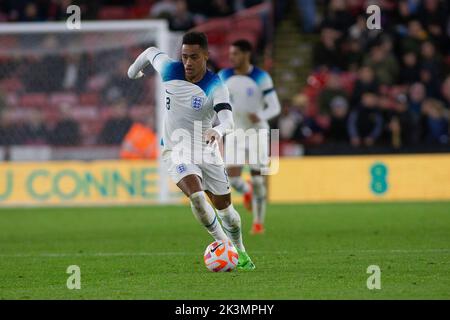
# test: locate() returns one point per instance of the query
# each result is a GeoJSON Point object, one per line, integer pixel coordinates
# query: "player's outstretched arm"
{"type": "Point", "coordinates": [152, 56]}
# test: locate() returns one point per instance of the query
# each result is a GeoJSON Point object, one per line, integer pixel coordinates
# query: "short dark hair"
{"type": "Point", "coordinates": [243, 45]}
{"type": "Point", "coordinates": [195, 37]}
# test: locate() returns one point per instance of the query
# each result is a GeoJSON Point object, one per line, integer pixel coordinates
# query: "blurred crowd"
{"type": "Point", "coordinates": [368, 89]}
{"type": "Point", "coordinates": [62, 91]}
{"type": "Point", "coordinates": [375, 88]}
{"type": "Point", "coordinates": [181, 14]}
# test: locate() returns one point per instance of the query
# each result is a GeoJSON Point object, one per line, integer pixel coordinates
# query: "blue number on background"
{"type": "Point", "coordinates": [379, 173]}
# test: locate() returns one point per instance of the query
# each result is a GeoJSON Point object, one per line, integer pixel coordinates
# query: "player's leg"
{"type": "Point", "coordinates": [217, 187]}
{"type": "Point", "coordinates": [192, 187]}
{"type": "Point", "coordinates": [236, 181]}
{"type": "Point", "coordinates": [259, 186]}
{"type": "Point", "coordinates": [234, 156]}
{"type": "Point", "coordinates": [231, 222]}
{"type": "Point", "coordinates": [258, 201]}
{"type": "Point", "coordinates": [240, 185]}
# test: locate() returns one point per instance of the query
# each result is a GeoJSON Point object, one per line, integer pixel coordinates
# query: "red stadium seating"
{"type": "Point", "coordinates": [63, 97]}
{"type": "Point", "coordinates": [34, 100]}
{"type": "Point", "coordinates": [89, 99]}
{"type": "Point", "coordinates": [113, 13]}
{"type": "Point", "coordinates": [253, 24]}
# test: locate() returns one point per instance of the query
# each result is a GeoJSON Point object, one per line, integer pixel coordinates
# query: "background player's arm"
{"type": "Point", "coordinates": [273, 107]}
{"type": "Point", "coordinates": [152, 56]}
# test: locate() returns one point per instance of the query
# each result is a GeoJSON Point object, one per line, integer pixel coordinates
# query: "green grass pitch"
{"type": "Point", "coordinates": [308, 252]}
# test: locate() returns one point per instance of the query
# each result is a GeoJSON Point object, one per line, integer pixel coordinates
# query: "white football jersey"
{"type": "Point", "coordinates": [247, 95]}
{"type": "Point", "coordinates": [188, 102]}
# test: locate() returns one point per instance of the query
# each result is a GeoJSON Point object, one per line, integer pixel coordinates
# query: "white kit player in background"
{"type": "Point", "coordinates": [254, 102]}
{"type": "Point", "coordinates": [193, 97]}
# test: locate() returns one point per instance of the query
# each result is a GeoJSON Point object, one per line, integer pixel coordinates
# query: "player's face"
{"type": "Point", "coordinates": [237, 57]}
{"type": "Point", "coordinates": [194, 60]}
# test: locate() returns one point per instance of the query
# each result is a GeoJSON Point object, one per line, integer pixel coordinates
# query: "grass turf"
{"type": "Point", "coordinates": [308, 252]}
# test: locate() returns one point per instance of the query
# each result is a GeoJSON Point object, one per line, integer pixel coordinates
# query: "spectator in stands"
{"type": "Point", "coordinates": [416, 95]}
{"type": "Point", "coordinates": [31, 13]}
{"type": "Point", "coordinates": [119, 87]}
{"type": "Point", "coordinates": [140, 142]}
{"type": "Point", "coordinates": [399, 123]}
{"type": "Point", "coordinates": [181, 19]}
{"type": "Point", "coordinates": [359, 32]}
{"type": "Point", "coordinates": [410, 71]}
{"type": "Point", "coordinates": [338, 17]}
{"type": "Point", "coordinates": [445, 92]}
{"type": "Point", "coordinates": [307, 12]}
{"type": "Point", "coordinates": [354, 54]}
{"type": "Point", "coordinates": [337, 132]}
{"type": "Point", "coordinates": [117, 126]}
{"type": "Point", "coordinates": [431, 59]}
{"type": "Point", "coordinates": [383, 63]}
{"type": "Point", "coordinates": [38, 80]}
{"type": "Point", "coordinates": [76, 72]}
{"type": "Point", "coordinates": [35, 129]}
{"type": "Point", "coordinates": [404, 14]}
{"type": "Point", "coordinates": [220, 8]}
{"type": "Point", "coordinates": [414, 37]}
{"type": "Point", "coordinates": [433, 16]}
{"type": "Point", "coordinates": [67, 130]}
{"type": "Point", "coordinates": [333, 89]}
{"type": "Point", "coordinates": [365, 123]}
{"type": "Point", "coordinates": [326, 53]}
{"type": "Point", "coordinates": [430, 80]}
{"type": "Point", "coordinates": [366, 82]}
{"type": "Point", "coordinates": [287, 121]}
{"type": "Point", "coordinates": [163, 9]}
{"type": "Point", "coordinates": [308, 130]}
{"type": "Point", "coordinates": [437, 121]}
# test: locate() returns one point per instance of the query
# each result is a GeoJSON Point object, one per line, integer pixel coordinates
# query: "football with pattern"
{"type": "Point", "coordinates": [221, 256]}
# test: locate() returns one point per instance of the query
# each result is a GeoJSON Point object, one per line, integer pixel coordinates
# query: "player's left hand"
{"type": "Point", "coordinates": [254, 118]}
{"type": "Point", "coordinates": [212, 137]}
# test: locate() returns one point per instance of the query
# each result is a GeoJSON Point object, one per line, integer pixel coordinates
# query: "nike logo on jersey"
{"type": "Point", "coordinates": [169, 92]}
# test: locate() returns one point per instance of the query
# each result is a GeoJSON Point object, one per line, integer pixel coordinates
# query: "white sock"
{"type": "Point", "coordinates": [239, 185]}
{"type": "Point", "coordinates": [205, 215]}
{"type": "Point", "coordinates": [231, 222]}
{"type": "Point", "coordinates": [258, 199]}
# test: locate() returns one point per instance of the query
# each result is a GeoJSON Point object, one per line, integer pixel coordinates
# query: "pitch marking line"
{"type": "Point", "coordinates": [174, 253]}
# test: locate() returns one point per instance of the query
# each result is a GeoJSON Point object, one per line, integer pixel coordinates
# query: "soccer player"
{"type": "Point", "coordinates": [254, 102]}
{"type": "Point", "coordinates": [193, 97]}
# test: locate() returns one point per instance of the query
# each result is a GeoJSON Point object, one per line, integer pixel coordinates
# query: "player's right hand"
{"type": "Point", "coordinates": [132, 73]}
{"type": "Point", "coordinates": [212, 137]}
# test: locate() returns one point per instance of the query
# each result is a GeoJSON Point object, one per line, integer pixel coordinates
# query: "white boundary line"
{"type": "Point", "coordinates": [180, 253]}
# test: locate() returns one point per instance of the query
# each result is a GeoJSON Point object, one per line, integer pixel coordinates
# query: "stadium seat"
{"type": "Point", "coordinates": [113, 13]}
{"type": "Point", "coordinates": [253, 24]}
{"type": "Point", "coordinates": [85, 113]}
{"type": "Point", "coordinates": [34, 100]}
{"type": "Point", "coordinates": [89, 99]}
{"type": "Point", "coordinates": [63, 97]}
{"type": "Point", "coordinates": [140, 113]}
{"type": "Point", "coordinates": [247, 35]}
{"type": "Point", "coordinates": [11, 85]}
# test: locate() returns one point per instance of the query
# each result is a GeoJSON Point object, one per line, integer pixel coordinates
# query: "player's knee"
{"type": "Point", "coordinates": [198, 201]}
{"type": "Point", "coordinates": [259, 188]}
{"type": "Point", "coordinates": [230, 216]}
